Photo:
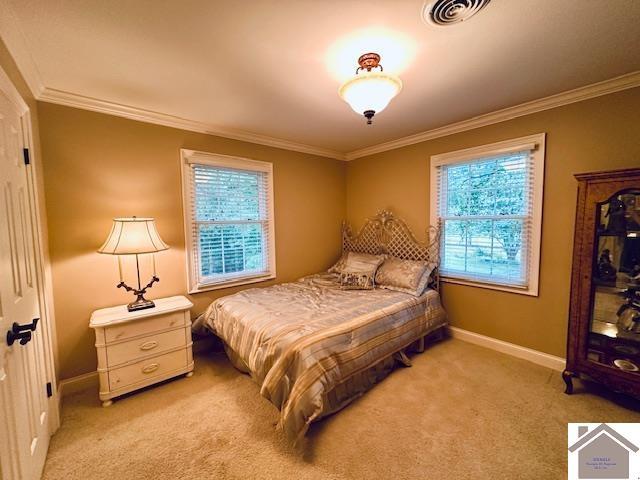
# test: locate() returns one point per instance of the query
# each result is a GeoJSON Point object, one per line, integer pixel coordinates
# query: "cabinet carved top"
{"type": "Point", "coordinates": [607, 175]}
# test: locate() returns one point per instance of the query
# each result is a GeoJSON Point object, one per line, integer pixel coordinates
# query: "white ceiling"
{"type": "Point", "coordinates": [273, 67]}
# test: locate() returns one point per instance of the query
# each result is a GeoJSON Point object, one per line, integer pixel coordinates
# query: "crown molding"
{"type": "Point", "coordinates": [16, 43]}
{"type": "Point", "coordinates": [68, 99]}
{"type": "Point", "coordinates": [623, 82]}
{"type": "Point", "coordinates": [616, 84]}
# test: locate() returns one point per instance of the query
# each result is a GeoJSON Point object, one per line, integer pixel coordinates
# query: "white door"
{"type": "Point", "coordinates": [24, 422]}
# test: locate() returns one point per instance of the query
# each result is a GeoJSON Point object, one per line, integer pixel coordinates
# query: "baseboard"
{"type": "Point", "coordinates": [540, 358]}
{"type": "Point", "coordinates": [78, 384]}
{"type": "Point", "coordinates": [90, 380]}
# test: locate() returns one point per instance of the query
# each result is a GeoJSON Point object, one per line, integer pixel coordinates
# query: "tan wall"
{"type": "Point", "coordinates": [98, 167]}
{"type": "Point", "coordinates": [598, 134]}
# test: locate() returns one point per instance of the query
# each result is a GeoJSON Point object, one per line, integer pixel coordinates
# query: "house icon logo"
{"type": "Point", "coordinates": [603, 452]}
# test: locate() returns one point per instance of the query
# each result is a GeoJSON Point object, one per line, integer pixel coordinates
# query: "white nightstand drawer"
{"type": "Point", "coordinates": [144, 346]}
{"type": "Point", "coordinates": [137, 349]}
{"type": "Point", "coordinates": [144, 327]}
{"type": "Point", "coordinates": [147, 369]}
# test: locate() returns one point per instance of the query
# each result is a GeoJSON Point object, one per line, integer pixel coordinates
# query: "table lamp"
{"type": "Point", "coordinates": [134, 236]}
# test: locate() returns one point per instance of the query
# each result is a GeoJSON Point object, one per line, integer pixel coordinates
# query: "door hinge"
{"type": "Point", "coordinates": [49, 390]}
{"type": "Point", "coordinates": [25, 154]}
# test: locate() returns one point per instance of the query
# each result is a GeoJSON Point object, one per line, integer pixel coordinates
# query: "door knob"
{"type": "Point", "coordinates": [21, 332]}
{"type": "Point", "coordinates": [17, 328]}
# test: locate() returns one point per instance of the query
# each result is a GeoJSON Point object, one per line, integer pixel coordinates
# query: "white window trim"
{"type": "Point", "coordinates": [204, 158]}
{"type": "Point", "coordinates": [536, 143]}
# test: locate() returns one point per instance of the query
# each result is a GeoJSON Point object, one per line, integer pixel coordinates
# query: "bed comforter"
{"type": "Point", "coordinates": [303, 340]}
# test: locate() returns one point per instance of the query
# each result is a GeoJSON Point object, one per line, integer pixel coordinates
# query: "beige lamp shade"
{"type": "Point", "coordinates": [133, 235]}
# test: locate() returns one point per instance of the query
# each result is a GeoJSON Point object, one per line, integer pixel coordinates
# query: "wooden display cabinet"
{"type": "Point", "coordinates": [604, 323]}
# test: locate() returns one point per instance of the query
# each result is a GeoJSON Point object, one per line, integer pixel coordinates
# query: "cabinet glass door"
{"type": "Point", "coordinates": [614, 335]}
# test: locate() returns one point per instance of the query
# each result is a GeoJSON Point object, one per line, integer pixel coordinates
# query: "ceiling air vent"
{"type": "Point", "coordinates": [448, 12]}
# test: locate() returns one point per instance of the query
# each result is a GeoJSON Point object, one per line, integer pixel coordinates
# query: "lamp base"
{"type": "Point", "coordinates": [140, 304]}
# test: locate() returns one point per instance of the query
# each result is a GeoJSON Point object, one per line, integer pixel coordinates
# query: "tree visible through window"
{"type": "Point", "coordinates": [230, 215]}
{"type": "Point", "coordinates": [230, 232]}
{"type": "Point", "coordinates": [484, 213]}
{"type": "Point", "coordinates": [488, 203]}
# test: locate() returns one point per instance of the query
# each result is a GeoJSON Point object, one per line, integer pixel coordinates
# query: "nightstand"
{"type": "Point", "coordinates": [137, 349]}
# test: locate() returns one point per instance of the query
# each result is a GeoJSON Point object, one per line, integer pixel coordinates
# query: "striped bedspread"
{"type": "Point", "coordinates": [303, 340]}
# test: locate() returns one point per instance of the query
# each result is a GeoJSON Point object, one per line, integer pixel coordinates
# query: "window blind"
{"type": "Point", "coordinates": [230, 223]}
{"type": "Point", "coordinates": [485, 209]}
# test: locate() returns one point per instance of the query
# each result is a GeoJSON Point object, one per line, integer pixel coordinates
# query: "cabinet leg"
{"type": "Point", "coordinates": [567, 376]}
{"type": "Point", "coordinates": [190, 374]}
{"type": "Point", "coordinates": [107, 403]}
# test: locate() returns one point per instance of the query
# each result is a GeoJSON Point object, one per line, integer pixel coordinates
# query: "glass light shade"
{"type": "Point", "coordinates": [370, 91]}
{"type": "Point", "coordinates": [133, 236]}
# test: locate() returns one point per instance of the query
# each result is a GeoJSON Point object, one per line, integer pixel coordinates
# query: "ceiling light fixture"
{"type": "Point", "coordinates": [369, 92]}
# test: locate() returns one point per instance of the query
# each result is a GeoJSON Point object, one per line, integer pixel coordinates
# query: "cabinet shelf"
{"type": "Point", "coordinates": [628, 234]}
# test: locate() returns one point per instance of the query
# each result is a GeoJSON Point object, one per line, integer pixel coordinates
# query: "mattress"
{"type": "Point", "coordinates": [312, 347]}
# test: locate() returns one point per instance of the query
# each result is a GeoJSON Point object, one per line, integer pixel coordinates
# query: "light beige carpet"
{"type": "Point", "coordinates": [461, 412]}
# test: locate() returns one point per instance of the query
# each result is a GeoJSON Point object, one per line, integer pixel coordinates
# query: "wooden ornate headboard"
{"type": "Point", "coordinates": [386, 233]}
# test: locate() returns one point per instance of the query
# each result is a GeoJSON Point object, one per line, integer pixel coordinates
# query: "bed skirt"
{"type": "Point", "coordinates": [356, 385]}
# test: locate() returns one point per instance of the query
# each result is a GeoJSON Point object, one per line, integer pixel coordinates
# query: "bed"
{"type": "Point", "coordinates": [314, 347]}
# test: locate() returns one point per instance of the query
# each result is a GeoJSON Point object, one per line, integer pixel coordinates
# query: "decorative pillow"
{"type": "Point", "coordinates": [406, 276]}
{"type": "Point", "coordinates": [359, 271]}
{"type": "Point", "coordinates": [339, 265]}
{"type": "Point", "coordinates": [424, 281]}
{"type": "Point", "coordinates": [356, 281]}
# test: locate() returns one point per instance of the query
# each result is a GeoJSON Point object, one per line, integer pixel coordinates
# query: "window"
{"type": "Point", "coordinates": [228, 207]}
{"type": "Point", "coordinates": [488, 203]}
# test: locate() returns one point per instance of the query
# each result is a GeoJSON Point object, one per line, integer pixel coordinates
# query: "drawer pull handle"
{"type": "Point", "coordinates": [150, 368]}
{"type": "Point", "coordinates": [149, 345]}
